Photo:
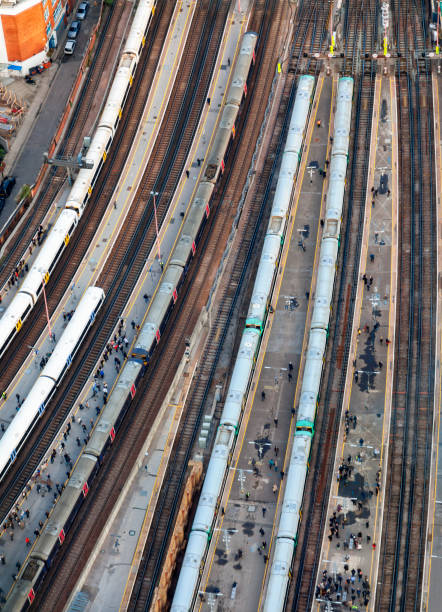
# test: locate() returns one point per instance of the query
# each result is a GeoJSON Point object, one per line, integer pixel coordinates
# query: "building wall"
{"type": "Point", "coordinates": [24, 33]}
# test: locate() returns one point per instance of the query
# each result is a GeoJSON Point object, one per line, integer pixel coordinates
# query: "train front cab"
{"type": "Point", "coordinates": [305, 426]}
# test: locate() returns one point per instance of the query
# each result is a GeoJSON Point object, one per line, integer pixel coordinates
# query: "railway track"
{"type": "Point", "coordinates": [72, 140]}
{"type": "Point", "coordinates": [318, 482]}
{"type": "Point", "coordinates": [160, 372]}
{"type": "Point", "coordinates": [403, 542]}
{"type": "Point", "coordinates": [360, 34]}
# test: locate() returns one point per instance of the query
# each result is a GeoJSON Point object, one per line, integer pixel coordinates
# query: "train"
{"type": "Point", "coordinates": [286, 536]}
{"type": "Point", "coordinates": [50, 378]}
{"type": "Point", "coordinates": [202, 526]}
{"type": "Point", "coordinates": [66, 223]}
{"type": "Point", "coordinates": [106, 429]}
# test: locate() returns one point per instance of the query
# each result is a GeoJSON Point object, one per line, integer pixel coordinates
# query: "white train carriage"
{"type": "Point", "coordinates": [190, 572]}
{"type": "Point", "coordinates": [136, 38]}
{"type": "Point", "coordinates": [341, 135]}
{"type": "Point", "coordinates": [23, 422]}
{"type": "Point", "coordinates": [284, 187]}
{"type": "Point", "coordinates": [312, 377]}
{"type": "Point", "coordinates": [239, 383]}
{"type": "Point", "coordinates": [87, 177]}
{"type": "Point", "coordinates": [214, 479]}
{"type": "Point", "coordinates": [279, 575]}
{"type": "Point", "coordinates": [238, 86]}
{"type": "Point", "coordinates": [284, 548]}
{"type": "Point", "coordinates": [295, 134]}
{"type": "Point", "coordinates": [65, 510]}
{"type": "Point", "coordinates": [324, 284]}
{"type": "Point", "coordinates": [119, 91]}
{"type": "Point", "coordinates": [292, 503]}
{"type": "Point", "coordinates": [220, 146]}
{"type": "Point", "coordinates": [113, 412]}
{"type": "Point", "coordinates": [263, 281]}
{"type": "Point", "coordinates": [13, 319]}
{"type": "Point", "coordinates": [335, 197]}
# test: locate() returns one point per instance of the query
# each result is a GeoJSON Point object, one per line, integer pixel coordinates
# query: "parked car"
{"type": "Point", "coordinates": [7, 186]}
{"type": "Point", "coordinates": [69, 47]}
{"type": "Point", "coordinates": [82, 10]}
{"type": "Point", "coordinates": [74, 30]}
{"type": "Point", "coordinates": [2, 203]}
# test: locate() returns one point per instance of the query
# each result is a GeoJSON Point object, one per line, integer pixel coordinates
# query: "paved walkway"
{"type": "Point", "coordinates": [349, 563]}
{"type": "Point", "coordinates": [237, 558]}
{"type": "Point", "coordinates": [432, 580]}
{"type": "Point", "coordinates": [43, 489]}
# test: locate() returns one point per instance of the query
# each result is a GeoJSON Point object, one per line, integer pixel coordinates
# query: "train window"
{"type": "Point", "coordinates": [125, 95]}
{"type": "Point", "coordinates": [54, 261]}
{"type": "Point", "coordinates": [97, 172]}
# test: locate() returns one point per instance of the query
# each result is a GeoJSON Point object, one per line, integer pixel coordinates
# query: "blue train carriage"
{"type": "Point", "coordinates": [291, 512]}
{"type": "Point", "coordinates": [45, 386]}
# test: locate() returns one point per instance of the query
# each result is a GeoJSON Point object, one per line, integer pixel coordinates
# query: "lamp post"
{"type": "Point", "coordinates": [155, 194]}
{"type": "Point", "coordinates": [46, 308]}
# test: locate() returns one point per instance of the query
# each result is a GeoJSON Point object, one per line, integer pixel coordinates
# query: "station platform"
{"type": "Point", "coordinates": [46, 103]}
{"type": "Point", "coordinates": [43, 490]}
{"type": "Point", "coordinates": [237, 559]}
{"type": "Point", "coordinates": [348, 571]}
{"type": "Point", "coordinates": [432, 575]}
